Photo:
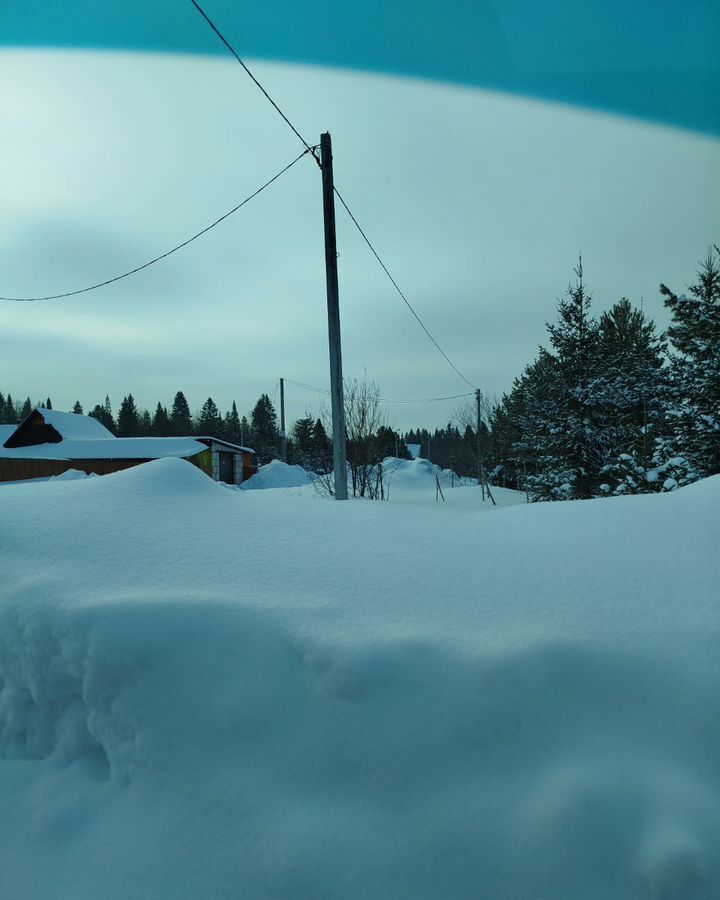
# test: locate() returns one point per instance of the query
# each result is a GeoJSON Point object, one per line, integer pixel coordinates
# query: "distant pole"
{"type": "Point", "coordinates": [331, 277]}
{"type": "Point", "coordinates": [283, 436]}
{"type": "Point", "coordinates": [481, 483]}
{"type": "Point", "coordinates": [452, 471]}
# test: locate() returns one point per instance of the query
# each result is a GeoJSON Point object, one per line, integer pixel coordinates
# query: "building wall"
{"type": "Point", "coordinates": [25, 469]}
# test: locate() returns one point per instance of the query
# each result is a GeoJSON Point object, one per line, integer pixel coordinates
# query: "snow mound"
{"type": "Point", "coordinates": [195, 701]}
{"type": "Point", "coordinates": [277, 474]}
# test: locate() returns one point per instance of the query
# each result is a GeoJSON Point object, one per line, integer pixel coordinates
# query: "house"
{"type": "Point", "coordinates": [49, 442]}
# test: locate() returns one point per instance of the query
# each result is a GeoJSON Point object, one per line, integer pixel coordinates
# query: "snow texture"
{"type": "Point", "coordinates": [277, 474]}
{"type": "Point", "coordinates": [112, 448]}
{"type": "Point", "coordinates": [223, 694]}
{"type": "Point", "coordinates": [75, 427]}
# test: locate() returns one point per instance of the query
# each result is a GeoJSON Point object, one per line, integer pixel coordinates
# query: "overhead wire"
{"type": "Point", "coordinates": [232, 50]}
{"type": "Point", "coordinates": [337, 193]}
{"type": "Point", "coordinates": [400, 292]}
{"type": "Point", "coordinates": [318, 390]}
{"type": "Point", "coordinates": [156, 259]}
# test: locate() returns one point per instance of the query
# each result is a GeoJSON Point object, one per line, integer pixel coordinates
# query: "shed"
{"type": "Point", "coordinates": [49, 442]}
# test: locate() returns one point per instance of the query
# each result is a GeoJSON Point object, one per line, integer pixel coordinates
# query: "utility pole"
{"type": "Point", "coordinates": [481, 466]}
{"type": "Point", "coordinates": [331, 277]}
{"type": "Point", "coordinates": [283, 436]}
{"type": "Point", "coordinates": [481, 482]}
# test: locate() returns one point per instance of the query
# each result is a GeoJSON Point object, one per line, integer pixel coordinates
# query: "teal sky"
{"type": "Point", "coordinates": [655, 60]}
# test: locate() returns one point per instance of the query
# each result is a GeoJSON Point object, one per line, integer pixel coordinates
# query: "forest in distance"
{"type": "Point", "coordinates": [611, 406]}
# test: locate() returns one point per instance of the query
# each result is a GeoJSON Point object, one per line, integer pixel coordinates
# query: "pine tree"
{"type": "Point", "coordinates": [77, 408]}
{"type": "Point", "coordinates": [161, 422]}
{"type": "Point", "coordinates": [209, 422]}
{"type": "Point", "coordinates": [246, 436]}
{"type": "Point", "coordinates": [145, 424]}
{"type": "Point", "coordinates": [104, 415]}
{"type": "Point", "coordinates": [128, 421]}
{"type": "Point", "coordinates": [180, 416]}
{"type": "Point", "coordinates": [575, 438]}
{"type": "Point", "coordinates": [2, 409]}
{"type": "Point", "coordinates": [264, 428]}
{"type": "Point", "coordinates": [10, 411]}
{"type": "Point", "coordinates": [695, 336]}
{"type": "Point", "coordinates": [48, 404]}
{"type": "Point", "coordinates": [232, 425]}
{"type": "Point", "coordinates": [632, 387]}
{"type": "Point", "coordinates": [27, 408]}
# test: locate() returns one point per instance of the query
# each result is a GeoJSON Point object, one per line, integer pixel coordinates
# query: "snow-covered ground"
{"type": "Point", "coordinates": [209, 693]}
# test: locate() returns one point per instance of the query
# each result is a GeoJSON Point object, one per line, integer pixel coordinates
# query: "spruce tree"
{"type": "Point", "coordinates": [264, 428]}
{"type": "Point", "coordinates": [27, 408]}
{"type": "Point", "coordinates": [128, 421]}
{"type": "Point", "coordinates": [77, 408]}
{"type": "Point", "coordinates": [10, 414]}
{"type": "Point", "coordinates": [209, 422]}
{"type": "Point", "coordinates": [232, 425]}
{"type": "Point", "coordinates": [576, 439]}
{"type": "Point", "coordinates": [632, 387]}
{"type": "Point", "coordinates": [695, 337]}
{"type": "Point", "coordinates": [161, 422]}
{"type": "Point", "coordinates": [180, 416]}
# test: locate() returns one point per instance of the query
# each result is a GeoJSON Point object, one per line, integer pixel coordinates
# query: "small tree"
{"type": "Point", "coordinates": [77, 408]}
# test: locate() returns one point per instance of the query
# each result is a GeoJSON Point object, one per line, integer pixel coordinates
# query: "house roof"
{"type": "Point", "coordinates": [71, 426]}
{"type": "Point", "coordinates": [110, 448]}
{"type": "Point", "coordinates": [50, 434]}
{"type": "Point", "coordinates": [208, 437]}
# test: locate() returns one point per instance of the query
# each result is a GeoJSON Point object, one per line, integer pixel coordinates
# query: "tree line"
{"type": "Point", "coordinates": [612, 406]}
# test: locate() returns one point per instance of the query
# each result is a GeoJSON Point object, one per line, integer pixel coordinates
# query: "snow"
{"type": "Point", "coordinates": [277, 474]}
{"type": "Point", "coordinates": [5, 432]}
{"type": "Point", "coordinates": [75, 427]}
{"type": "Point", "coordinates": [112, 448]}
{"type": "Point", "coordinates": [413, 450]}
{"type": "Point", "coordinates": [222, 694]}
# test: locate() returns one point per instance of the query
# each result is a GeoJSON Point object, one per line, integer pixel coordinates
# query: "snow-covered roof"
{"type": "Point", "coordinates": [5, 432]}
{"type": "Point", "coordinates": [209, 437]}
{"type": "Point", "coordinates": [74, 427]}
{"type": "Point", "coordinates": [111, 448]}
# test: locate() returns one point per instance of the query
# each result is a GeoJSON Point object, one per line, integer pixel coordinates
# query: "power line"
{"type": "Point", "coordinates": [337, 193]}
{"type": "Point", "coordinates": [397, 288]}
{"type": "Point", "coordinates": [318, 390]}
{"type": "Point", "coordinates": [232, 50]}
{"type": "Point", "coordinates": [151, 262]}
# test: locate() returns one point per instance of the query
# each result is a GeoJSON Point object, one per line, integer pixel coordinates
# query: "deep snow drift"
{"type": "Point", "coordinates": [223, 694]}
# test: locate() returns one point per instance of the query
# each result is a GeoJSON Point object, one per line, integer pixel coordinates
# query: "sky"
{"type": "Point", "coordinates": [478, 200]}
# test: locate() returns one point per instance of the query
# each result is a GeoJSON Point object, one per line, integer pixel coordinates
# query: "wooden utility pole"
{"type": "Point", "coordinates": [481, 464]}
{"type": "Point", "coordinates": [283, 436]}
{"type": "Point", "coordinates": [331, 276]}
{"type": "Point", "coordinates": [481, 482]}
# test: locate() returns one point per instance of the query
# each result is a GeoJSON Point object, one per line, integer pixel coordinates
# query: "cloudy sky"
{"type": "Point", "coordinates": [478, 201]}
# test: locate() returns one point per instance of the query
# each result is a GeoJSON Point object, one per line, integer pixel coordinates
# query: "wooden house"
{"type": "Point", "coordinates": [49, 442]}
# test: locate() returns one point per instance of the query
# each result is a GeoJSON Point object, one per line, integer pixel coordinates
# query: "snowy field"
{"type": "Point", "coordinates": [262, 694]}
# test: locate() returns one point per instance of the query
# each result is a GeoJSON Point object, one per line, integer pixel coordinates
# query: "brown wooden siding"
{"type": "Point", "coordinates": [24, 469]}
